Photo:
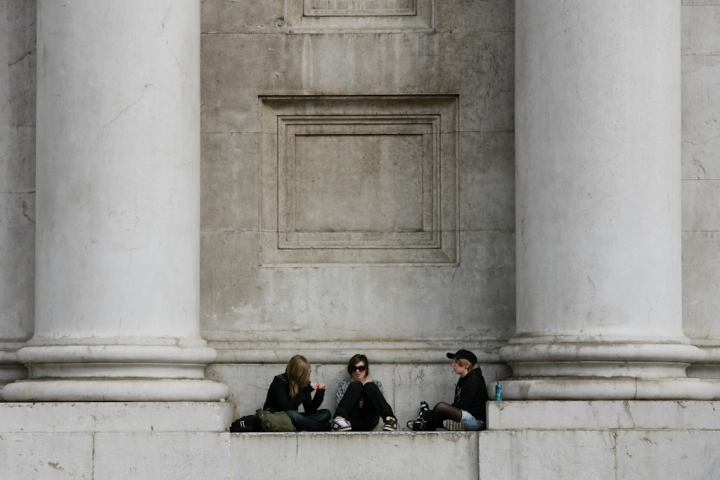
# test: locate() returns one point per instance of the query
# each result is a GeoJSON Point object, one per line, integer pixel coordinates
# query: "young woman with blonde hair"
{"type": "Point", "coordinates": [293, 388]}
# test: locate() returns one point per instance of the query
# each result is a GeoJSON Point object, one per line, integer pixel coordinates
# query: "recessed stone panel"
{"type": "Point", "coordinates": [363, 182]}
{"type": "Point", "coordinates": [359, 180]}
{"type": "Point", "coordinates": [360, 15]}
{"type": "Point", "coordinates": [381, 181]}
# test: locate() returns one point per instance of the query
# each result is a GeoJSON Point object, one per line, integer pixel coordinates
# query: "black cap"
{"type": "Point", "coordinates": [466, 354]}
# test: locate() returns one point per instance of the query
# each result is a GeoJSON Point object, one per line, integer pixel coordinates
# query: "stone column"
{"type": "Point", "coordinates": [118, 194]}
{"type": "Point", "coordinates": [598, 203]}
{"type": "Point", "coordinates": [17, 183]}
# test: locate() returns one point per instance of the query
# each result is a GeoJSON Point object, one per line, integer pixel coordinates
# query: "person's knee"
{"type": "Point", "coordinates": [354, 386]}
{"type": "Point", "coordinates": [293, 414]}
{"type": "Point", "coordinates": [440, 405]}
{"type": "Point", "coordinates": [323, 415]}
{"type": "Point", "coordinates": [371, 387]}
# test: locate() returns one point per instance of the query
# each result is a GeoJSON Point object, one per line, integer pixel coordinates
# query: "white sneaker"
{"type": "Point", "coordinates": [339, 424]}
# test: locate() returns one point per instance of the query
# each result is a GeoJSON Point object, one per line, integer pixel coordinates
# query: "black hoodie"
{"type": "Point", "coordinates": [471, 394]}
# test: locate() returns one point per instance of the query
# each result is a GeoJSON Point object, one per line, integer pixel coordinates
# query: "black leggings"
{"type": "Point", "coordinates": [374, 406]}
{"type": "Point", "coordinates": [442, 411]}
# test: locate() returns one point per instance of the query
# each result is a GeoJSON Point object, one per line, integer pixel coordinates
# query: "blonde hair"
{"type": "Point", "coordinates": [298, 374]}
{"type": "Point", "coordinates": [464, 363]}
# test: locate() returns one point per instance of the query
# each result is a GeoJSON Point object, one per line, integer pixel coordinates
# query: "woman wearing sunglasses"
{"type": "Point", "coordinates": [360, 401]}
{"type": "Point", "coordinates": [293, 388]}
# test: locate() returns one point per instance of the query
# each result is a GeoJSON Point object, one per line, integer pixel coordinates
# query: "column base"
{"type": "Point", "coordinates": [119, 390]}
{"type": "Point", "coordinates": [116, 361]}
{"type": "Point", "coordinates": [10, 369]}
{"type": "Point", "coordinates": [599, 359]}
{"type": "Point", "coordinates": [708, 364]}
{"type": "Point", "coordinates": [122, 373]}
{"type": "Point", "coordinates": [617, 388]}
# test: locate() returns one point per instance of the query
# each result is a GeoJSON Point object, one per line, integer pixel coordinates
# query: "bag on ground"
{"type": "Point", "coordinates": [248, 423]}
{"type": "Point", "coordinates": [275, 421]}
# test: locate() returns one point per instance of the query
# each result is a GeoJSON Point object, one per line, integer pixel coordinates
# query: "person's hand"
{"type": "Point", "coordinates": [361, 402]}
{"type": "Point", "coordinates": [314, 385]}
{"type": "Point", "coordinates": [320, 386]}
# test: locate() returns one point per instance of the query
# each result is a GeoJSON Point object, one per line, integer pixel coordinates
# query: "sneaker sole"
{"type": "Point", "coordinates": [453, 426]}
{"type": "Point", "coordinates": [343, 429]}
{"type": "Point", "coordinates": [389, 429]}
{"type": "Point", "coordinates": [411, 425]}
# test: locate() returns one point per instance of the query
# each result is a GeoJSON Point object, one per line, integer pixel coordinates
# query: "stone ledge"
{"type": "Point", "coordinates": [603, 415]}
{"type": "Point", "coordinates": [493, 455]}
{"type": "Point", "coordinates": [115, 417]}
{"type": "Point", "coordinates": [373, 433]}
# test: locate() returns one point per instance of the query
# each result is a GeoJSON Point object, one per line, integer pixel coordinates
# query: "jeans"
{"type": "Point", "coordinates": [471, 423]}
{"type": "Point", "coordinates": [374, 406]}
{"type": "Point", "coordinates": [310, 422]}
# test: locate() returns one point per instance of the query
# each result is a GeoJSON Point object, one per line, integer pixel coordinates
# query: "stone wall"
{"type": "Point", "coordinates": [257, 312]}
{"type": "Point", "coordinates": [364, 274]}
{"type": "Point", "coordinates": [701, 169]}
{"type": "Point", "coordinates": [396, 210]}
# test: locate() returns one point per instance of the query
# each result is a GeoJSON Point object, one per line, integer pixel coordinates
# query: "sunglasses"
{"type": "Point", "coordinates": [358, 368]}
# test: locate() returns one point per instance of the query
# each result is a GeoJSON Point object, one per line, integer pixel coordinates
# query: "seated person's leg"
{"type": "Point", "coordinates": [307, 423]}
{"type": "Point", "coordinates": [349, 400]}
{"type": "Point", "coordinates": [355, 417]}
{"type": "Point", "coordinates": [295, 417]}
{"type": "Point", "coordinates": [442, 411]}
{"type": "Point", "coordinates": [320, 416]}
{"type": "Point", "coordinates": [372, 393]}
{"type": "Point", "coordinates": [369, 416]}
{"type": "Point", "coordinates": [471, 423]}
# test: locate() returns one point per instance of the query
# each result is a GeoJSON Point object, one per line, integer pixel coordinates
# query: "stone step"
{"type": "Point", "coordinates": [489, 455]}
{"type": "Point", "coordinates": [119, 441]}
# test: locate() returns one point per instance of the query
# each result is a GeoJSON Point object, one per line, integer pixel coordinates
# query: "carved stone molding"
{"type": "Point", "coordinates": [360, 8]}
{"type": "Point", "coordinates": [365, 180]}
{"type": "Point", "coordinates": [308, 16]}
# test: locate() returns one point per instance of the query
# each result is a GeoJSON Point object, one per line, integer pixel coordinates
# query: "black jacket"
{"type": "Point", "coordinates": [278, 397]}
{"type": "Point", "coordinates": [471, 394]}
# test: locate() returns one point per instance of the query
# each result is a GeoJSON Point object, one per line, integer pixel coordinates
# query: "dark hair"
{"type": "Point", "coordinates": [358, 358]}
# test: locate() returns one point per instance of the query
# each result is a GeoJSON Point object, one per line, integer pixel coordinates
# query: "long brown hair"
{"type": "Point", "coordinates": [298, 374]}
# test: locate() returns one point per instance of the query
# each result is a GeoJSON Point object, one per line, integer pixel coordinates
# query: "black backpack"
{"type": "Point", "coordinates": [248, 423]}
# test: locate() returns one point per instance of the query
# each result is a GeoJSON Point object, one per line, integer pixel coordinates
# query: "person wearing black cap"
{"type": "Point", "coordinates": [467, 411]}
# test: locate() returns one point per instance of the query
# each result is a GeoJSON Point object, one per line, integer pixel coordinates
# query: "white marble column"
{"type": "Point", "coordinates": [598, 203]}
{"type": "Point", "coordinates": [117, 239]}
{"type": "Point", "coordinates": [17, 183]}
